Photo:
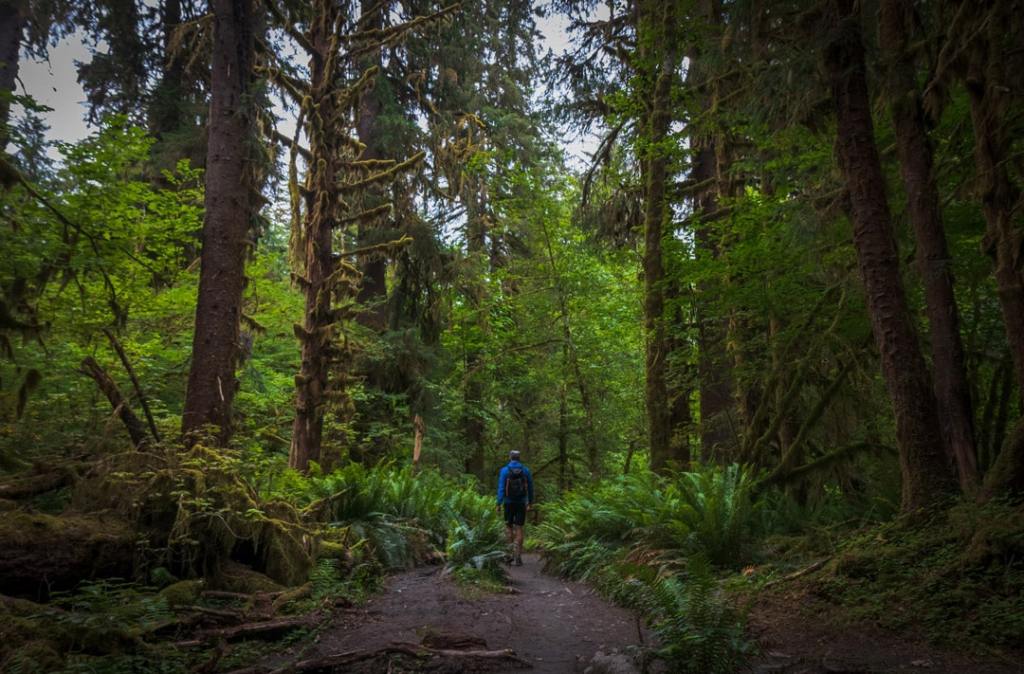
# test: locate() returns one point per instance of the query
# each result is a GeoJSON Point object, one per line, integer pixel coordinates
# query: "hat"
{"type": "Point", "coordinates": [514, 454]}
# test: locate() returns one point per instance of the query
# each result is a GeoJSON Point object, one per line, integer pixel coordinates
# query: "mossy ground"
{"type": "Point", "coordinates": [955, 578]}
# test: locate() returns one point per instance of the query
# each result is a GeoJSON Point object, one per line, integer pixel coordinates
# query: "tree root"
{"type": "Point", "coordinates": [330, 663]}
{"type": "Point", "coordinates": [267, 630]}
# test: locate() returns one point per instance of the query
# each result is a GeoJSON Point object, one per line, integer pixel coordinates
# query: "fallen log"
{"type": "Point", "coordinates": [47, 475]}
{"type": "Point", "coordinates": [267, 630]}
{"type": "Point", "coordinates": [33, 485]}
{"type": "Point", "coordinates": [216, 613]}
{"type": "Point", "coordinates": [43, 553]}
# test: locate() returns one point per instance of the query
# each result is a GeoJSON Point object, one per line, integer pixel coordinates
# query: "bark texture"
{"type": "Point", "coordinates": [229, 204]}
{"type": "Point", "coordinates": [373, 289]}
{"type": "Point", "coordinates": [927, 476]}
{"type": "Point", "coordinates": [952, 390]}
{"type": "Point", "coordinates": [1004, 239]}
{"type": "Point", "coordinates": [657, 21]}
{"type": "Point", "coordinates": [316, 334]}
{"type": "Point", "coordinates": [13, 17]}
{"type": "Point", "coordinates": [473, 390]}
{"type": "Point", "coordinates": [714, 371]}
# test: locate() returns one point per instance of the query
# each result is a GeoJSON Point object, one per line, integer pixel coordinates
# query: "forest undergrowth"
{"type": "Point", "coordinates": [695, 551]}
{"type": "Point", "coordinates": [274, 319]}
{"type": "Point", "coordinates": [228, 549]}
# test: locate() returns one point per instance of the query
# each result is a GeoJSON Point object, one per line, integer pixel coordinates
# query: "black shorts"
{"type": "Point", "coordinates": [515, 514]}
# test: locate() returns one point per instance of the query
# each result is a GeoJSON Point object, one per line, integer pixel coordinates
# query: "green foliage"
{"type": "Point", "coordinates": [644, 541]}
{"type": "Point", "coordinates": [108, 610]}
{"type": "Point", "coordinates": [699, 630]}
{"type": "Point", "coordinates": [393, 510]}
{"type": "Point", "coordinates": [660, 520]}
{"type": "Point", "coordinates": [959, 576]}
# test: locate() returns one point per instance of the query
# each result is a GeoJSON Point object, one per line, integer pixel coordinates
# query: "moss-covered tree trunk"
{"type": "Point", "coordinates": [316, 334]}
{"type": "Point", "coordinates": [473, 389]}
{"type": "Point", "coordinates": [913, 147]}
{"type": "Point", "coordinates": [229, 210]}
{"type": "Point", "coordinates": [927, 476]}
{"type": "Point", "coordinates": [658, 55]}
{"type": "Point", "coordinates": [714, 365]}
{"type": "Point", "coordinates": [1000, 201]}
{"type": "Point", "coordinates": [373, 287]}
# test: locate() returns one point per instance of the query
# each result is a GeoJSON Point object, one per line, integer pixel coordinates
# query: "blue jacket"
{"type": "Point", "coordinates": [503, 476]}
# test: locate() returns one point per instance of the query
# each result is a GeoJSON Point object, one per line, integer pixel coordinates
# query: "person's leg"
{"type": "Point", "coordinates": [510, 529]}
{"type": "Point", "coordinates": [520, 522]}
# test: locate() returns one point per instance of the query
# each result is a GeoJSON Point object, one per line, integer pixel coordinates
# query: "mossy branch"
{"type": "Point", "coordinates": [367, 165]}
{"type": "Point", "coordinates": [383, 175]}
{"type": "Point", "coordinates": [294, 87]}
{"type": "Point", "coordinates": [365, 217]}
{"type": "Point", "coordinates": [373, 39]}
{"type": "Point", "coordinates": [291, 144]}
{"type": "Point", "coordinates": [383, 247]}
{"type": "Point", "coordinates": [289, 27]}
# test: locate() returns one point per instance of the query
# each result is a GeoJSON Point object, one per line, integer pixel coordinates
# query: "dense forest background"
{"type": "Point", "coordinates": [320, 265]}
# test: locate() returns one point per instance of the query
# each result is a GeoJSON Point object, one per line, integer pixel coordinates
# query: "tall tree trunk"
{"type": "Point", "coordinates": [229, 204]}
{"type": "Point", "coordinates": [1003, 240]}
{"type": "Point", "coordinates": [714, 371]}
{"type": "Point", "coordinates": [678, 385]}
{"type": "Point", "coordinates": [473, 390]}
{"type": "Point", "coordinates": [13, 17]}
{"type": "Point", "coordinates": [927, 476]}
{"type": "Point", "coordinates": [913, 147]}
{"type": "Point", "coordinates": [563, 433]}
{"type": "Point", "coordinates": [317, 332]}
{"type": "Point", "coordinates": [373, 288]}
{"type": "Point", "coordinates": [658, 22]}
{"type": "Point", "coordinates": [165, 109]}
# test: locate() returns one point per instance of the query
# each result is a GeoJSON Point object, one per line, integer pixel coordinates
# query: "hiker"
{"type": "Point", "coordinates": [515, 494]}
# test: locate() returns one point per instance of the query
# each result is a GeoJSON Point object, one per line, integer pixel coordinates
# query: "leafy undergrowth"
{"type": "Point", "coordinates": [957, 578]}
{"type": "Point", "coordinates": [220, 545]}
{"type": "Point", "coordinates": [692, 548]}
{"type": "Point", "coordinates": [649, 542]}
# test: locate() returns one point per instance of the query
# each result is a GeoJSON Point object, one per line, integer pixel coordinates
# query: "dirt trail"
{"type": "Point", "coordinates": [555, 625]}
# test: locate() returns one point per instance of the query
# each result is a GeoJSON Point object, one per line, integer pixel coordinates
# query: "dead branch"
{"type": "Point", "coordinates": [797, 574]}
{"type": "Point", "coordinates": [136, 430]}
{"type": "Point", "coordinates": [135, 381]}
{"type": "Point", "coordinates": [290, 143]}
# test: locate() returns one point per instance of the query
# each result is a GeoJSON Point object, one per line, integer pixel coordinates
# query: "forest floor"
{"type": "Point", "coordinates": [799, 633]}
{"type": "Point", "coordinates": [551, 625]}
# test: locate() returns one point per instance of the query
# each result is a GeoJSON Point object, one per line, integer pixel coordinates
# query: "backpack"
{"type": "Point", "coordinates": [515, 483]}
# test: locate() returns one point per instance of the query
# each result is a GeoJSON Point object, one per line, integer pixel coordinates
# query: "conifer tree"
{"type": "Point", "coordinates": [338, 174]}
{"type": "Point", "coordinates": [231, 202]}
{"type": "Point", "coordinates": [927, 476]}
